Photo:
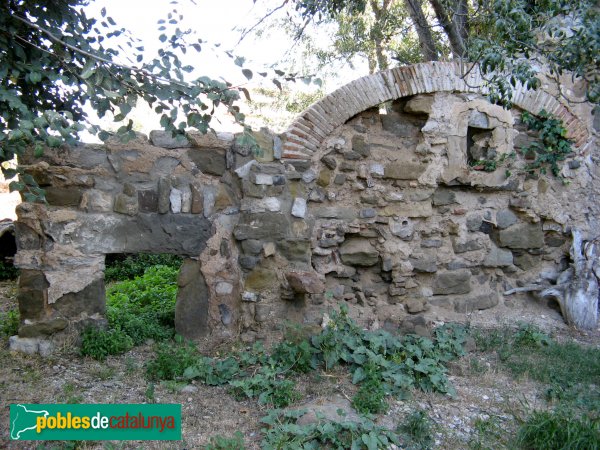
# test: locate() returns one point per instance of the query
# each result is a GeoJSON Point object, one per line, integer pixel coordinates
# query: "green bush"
{"type": "Point", "coordinates": [416, 430]}
{"type": "Point", "coordinates": [137, 310]}
{"type": "Point", "coordinates": [120, 267]}
{"type": "Point", "coordinates": [9, 323]}
{"type": "Point", "coordinates": [98, 343]}
{"type": "Point", "coordinates": [171, 360]}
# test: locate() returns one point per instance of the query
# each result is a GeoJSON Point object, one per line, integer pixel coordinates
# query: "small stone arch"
{"type": "Point", "coordinates": [306, 134]}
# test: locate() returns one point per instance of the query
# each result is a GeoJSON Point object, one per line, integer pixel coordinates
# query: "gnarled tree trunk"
{"type": "Point", "coordinates": [577, 288]}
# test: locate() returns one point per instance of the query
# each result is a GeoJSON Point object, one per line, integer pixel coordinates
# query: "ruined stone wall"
{"type": "Point", "coordinates": [376, 208]}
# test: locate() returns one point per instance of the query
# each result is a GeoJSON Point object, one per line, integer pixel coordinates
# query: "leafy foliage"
{"type": "Point", "coordinates": [282, 432]}
{"type": "Point", "coordinates": [137, 310]}
{"type": "Point", "coordinates": [9, 322]}
{"type": "Point", "coordinates": [54, 60]}
{"type": "Point", "coordinates": [171, 360]}
{"type": "Point", "coordinates": [120, 267]}
{"type": "Point", "coordinates": [554, 146]}
{"type": "Point", "coordinates": [98, 343]}
{"type": "Point", "coordinates": [416, 430]}
{"type": "Point", "coordinates": [512, 39]}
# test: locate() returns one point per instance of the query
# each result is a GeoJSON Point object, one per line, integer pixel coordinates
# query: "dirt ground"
{"type": "Point", "coordinates": [487, 395]}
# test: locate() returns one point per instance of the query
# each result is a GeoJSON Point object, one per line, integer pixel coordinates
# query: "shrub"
{"type": "Point", "coordinates": [137, 310]}
{"type": "Point", "coordinates": [98, 343]}
{"type": "Point", "coordinates": [9, 323]}
{"type": "Point", "coordinates": [120, 267]}
{"type": "Point", "coordinates": [171, 360]}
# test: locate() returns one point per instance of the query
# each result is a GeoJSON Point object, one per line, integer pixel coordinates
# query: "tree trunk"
{"type": "Point", "coordinates": [450, 26]}
{"type": "Point", "coordinates": [379, 13]}
{"type": "Point", "coordinates": [426, 41]}
{"type": "Point", "coordinates": [577, 294]}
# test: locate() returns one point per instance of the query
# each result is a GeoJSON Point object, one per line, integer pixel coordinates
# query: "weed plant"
{"type": "Point", "coordinates": [137, 310]}
{"type": "Point", "coordinates": [121, 267]}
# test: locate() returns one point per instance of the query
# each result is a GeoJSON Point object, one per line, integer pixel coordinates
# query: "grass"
{"type": "Point", "coordinates": [569, 374]}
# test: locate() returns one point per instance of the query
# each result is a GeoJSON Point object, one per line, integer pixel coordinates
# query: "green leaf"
{"type": "Point", "coordinates": [88, 69]}
{"type": "Point", "coordinates": [247, 73]}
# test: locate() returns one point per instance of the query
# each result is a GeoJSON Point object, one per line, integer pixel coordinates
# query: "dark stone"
{"type": "Point", "coordinates": [346, 166]}
{"type": "Point", "coordinates": [574, 164]}
{"type": "Point", "coordinates": [261, 279]}
{"type": "Point", "coordinates": [431, 243]}
{"type": "Point", "coordinates": [359, 252]}
{"type": "Point", "coordinates": [454, 282]}
{"type": "Point", "coordinates": [248, 262]}
{"type": "Point", "coordinates": [305, 282]}
{"type": "Point", "coordinates": [340, 179]}
{"type": "Point", "coordinates": [360, 147]}
{"type": "Point", "coordinates": [329, 161]}
{"type": "Point", "coordinates": [334, 212]}
{"type": "Point", "coordinates": [226, 314]}
{"type": "Point", "coordinates": [45, 328]}
{"type": "Point", "coordinates": [467, 305]}
{"type": "Point", "coordinates": [32, 294]}
{"type": "Point", "coordinates": [468, 246]}
{"type": "Point", "coordinates": [300, 165]}
{"type": "Point", "coordinates": [262, 226]}
{"type": "Point", "coordinates": [404, 170]}
{"type": "Point", "coordinates": [351, 155]}
{"type": "Point", "coordinates": [506, 218]}
{"type": "Point", "coordinates": [63, 196]}
{"type": "Point", "coordinates": [474, 222]}
{"type": "Point", "coordinates": [148, 201]}
{"type": "Point", "coordinates": [427, 264]}
{"type": "Point", "coordinates": [367, 213]}
{"type": "Point", "coordinates": [295, 250]}
{"type": "Point", "coordinates": [399, 126]}
{"type": "Point", "coordinates": [443, 197]}
{"type": "Point", "coordinates": [279, 180]}
{"type": "Point", "coordinates": [182, 234]}
{"type": "Point", "coordinates": [26, 238]}
{"type": "Point", "coordinates": [554, 239]}
{"type": "Point", "coordinates": [486, 227]}
{"type": "Point", "coordinates": [164, 191]}
{"type": "Point", "coordinates": [191, 307]}
{"type": "Point", "coordinates": [252, 246]}
{"type": "Point", "coordinates": [524, 235]}
{"type": "Point", "coordinates": [209, 160]}
{"type": "Point", "coordinates": [90, 300]}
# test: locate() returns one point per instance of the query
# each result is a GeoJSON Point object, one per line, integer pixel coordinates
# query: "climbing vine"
{"type": "Point", "coordinates": [553, 145]}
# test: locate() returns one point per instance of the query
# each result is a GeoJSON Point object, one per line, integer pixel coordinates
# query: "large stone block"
{"type": "Point", "coordinates": [522, 235]}
{"type": "Point", "coordinates": [452, 282]}
{"type": "Point", "coordinates": [404, 170]}
{"type": "Point", "coordinates": [262, 226]}
{"type": "Point", "coordinates": [409, 209]}
{"type": "Point", "coordinates": [90, 300]}
{"type": "Point", "coordinates": [335, 212]}
{"type": "Point", "coordinates": [64, 196]}
{"type": "Point", "coordinates": [305, 282]}
{"type": "Point", "coordinates": [210, 161]}
{"type": "Point", "coordinates": [191, 308]}
{"type": "Point", "coordinates": [443, 197]}
{"type": "Point", "coordinates": [498, 257]}
{"type": "Point", "coordinates": [359, 252]}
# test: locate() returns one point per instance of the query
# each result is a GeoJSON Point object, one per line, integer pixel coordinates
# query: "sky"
{"type": "Point", "coordinates": [215, 22]}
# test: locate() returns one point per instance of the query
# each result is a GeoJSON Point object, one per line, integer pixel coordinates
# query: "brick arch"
{"type": "Point", "coordinates": [307, 132]}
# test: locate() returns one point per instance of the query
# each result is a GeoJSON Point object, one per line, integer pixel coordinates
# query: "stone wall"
{"type": "Point", "coordinates": [377, 208]}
